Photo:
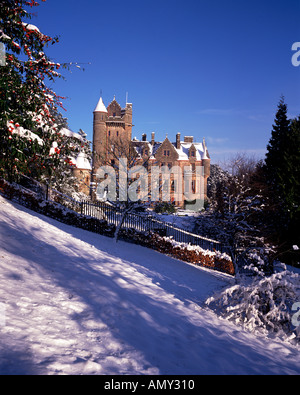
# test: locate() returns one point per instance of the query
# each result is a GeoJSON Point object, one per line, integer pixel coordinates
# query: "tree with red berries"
{"type": "Point", "coordinates": [28, 107]}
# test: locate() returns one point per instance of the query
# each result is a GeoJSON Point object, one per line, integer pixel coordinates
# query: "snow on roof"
{"type": "Point", "coordinates": [140, 146]}
{"type": "Point", "coordinates": [82, 162]}
{"type": "Point", "coordinates": [100, 106]}
{"type": "Point", "coordinates": [184, 150]}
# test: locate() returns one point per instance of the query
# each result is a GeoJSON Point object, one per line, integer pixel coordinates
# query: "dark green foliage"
{"type": "Point", "coordinates": [31, 142]}
{"type": "Point", "coordinates": [282, 170]}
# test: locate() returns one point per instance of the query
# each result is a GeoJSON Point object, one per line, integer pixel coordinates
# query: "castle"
{"type": "Point", "coordinates": [112, 137]}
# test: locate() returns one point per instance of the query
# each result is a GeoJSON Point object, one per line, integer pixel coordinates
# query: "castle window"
{"type": "Point", "coordinates": [109, 133]}
{"type": "Point", "coordinates": [193, 154]}
{"type": "Point", "coordinates": [114, 114]}
{"type": "Point", "coordinates": [117, 133]}
{"type": "Point", "coordinates": [166, 153]}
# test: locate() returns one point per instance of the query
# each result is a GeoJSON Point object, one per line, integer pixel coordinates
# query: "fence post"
{"type": "Point", "coordinates": [47, 191]}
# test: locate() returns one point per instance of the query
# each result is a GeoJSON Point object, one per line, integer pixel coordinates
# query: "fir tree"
{"type": "Point", "coordinates": [276, 149]}
{"type": "Point", "coordinates": [282, 169]}
{"type": "Point", "coordinates": [289, 177]}
{"type": "Point", "coordinates": [276, 164]}
{"type": "Point", "coordinates": [290, 182]}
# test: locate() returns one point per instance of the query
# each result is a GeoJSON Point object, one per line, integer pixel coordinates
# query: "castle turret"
{"type": "Point", "coordinates": [128, 120]}
{"type": "Point", "coordinates": [99, 135]}
{"type": "Point", "coordinates": [82, 171]}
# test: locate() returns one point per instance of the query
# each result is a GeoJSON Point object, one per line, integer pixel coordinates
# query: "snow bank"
{"type": "Point", "coordinates": [77, 303]}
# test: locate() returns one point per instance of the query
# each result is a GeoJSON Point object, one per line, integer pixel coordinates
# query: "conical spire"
{"type": "Point", "coordinates": [100, 106]}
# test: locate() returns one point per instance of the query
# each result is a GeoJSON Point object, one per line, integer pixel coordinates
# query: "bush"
{"type": "Point", "coordinates": [263, 304]}
{"type": "Point", "coordinates": [185, 252]}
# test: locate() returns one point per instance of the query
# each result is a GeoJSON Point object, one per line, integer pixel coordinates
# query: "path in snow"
{"type": "Point", "coordinates": [76, 303]}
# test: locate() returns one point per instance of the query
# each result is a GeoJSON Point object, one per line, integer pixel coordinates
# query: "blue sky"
{"type": "Point", "coordinates": [213, 69]}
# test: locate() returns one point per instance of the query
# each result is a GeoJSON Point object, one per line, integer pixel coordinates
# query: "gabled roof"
{"type": "Point", "coordinates": [114, 109]}
{"type": "Point", "coordinates": [166, 144]}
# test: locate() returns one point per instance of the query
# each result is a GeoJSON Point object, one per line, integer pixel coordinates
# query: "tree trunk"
{"type": "Point", "coordinates": [119, 226]}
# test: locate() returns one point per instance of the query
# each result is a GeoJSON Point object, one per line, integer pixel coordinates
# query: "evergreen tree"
{"type": "Point", "coordinates": [276, 149]}
{"type": "Point", "coordinates": [282, 170]}
{"type": "Point", "coordinates": [276, 165]}
{"type": "Point", "coordinates": [28, 126]}
{"type": "Point", "coordinates": [290, 182]}
{"type": "Point", "coordinates": [289, 177]}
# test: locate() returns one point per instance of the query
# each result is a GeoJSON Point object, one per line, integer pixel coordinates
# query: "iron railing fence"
{"type": "Point", "coordinates": [113, 215]}
{"type": "Point", "coordinates": [148, 223]}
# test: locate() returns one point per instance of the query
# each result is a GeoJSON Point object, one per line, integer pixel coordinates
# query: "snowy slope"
{"type": "Point", "coordinates": [74, 302]}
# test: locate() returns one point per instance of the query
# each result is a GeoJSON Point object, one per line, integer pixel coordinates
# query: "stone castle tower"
{"type": "Point", "coordinates": [110, 124]}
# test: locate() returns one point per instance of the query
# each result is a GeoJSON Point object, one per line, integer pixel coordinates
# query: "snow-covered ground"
{"type": "Point", "coordinates": [182, 219]}
{"type": "Point", "coordinates": [73, 302]}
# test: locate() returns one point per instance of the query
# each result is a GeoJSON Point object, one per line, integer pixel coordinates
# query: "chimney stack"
{"type": "Point", "coordinates": [188, 139]}
{"type": "Point", "coordinates": [152, 138]}
{"type": "Point", "coordinates": [144, 137]}
{"type": "Point", "coordinates": [178, 140]}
